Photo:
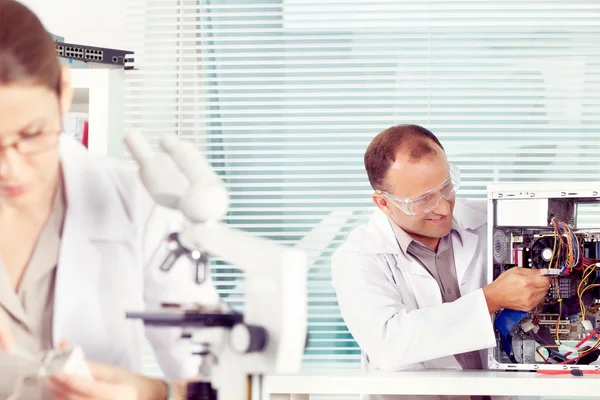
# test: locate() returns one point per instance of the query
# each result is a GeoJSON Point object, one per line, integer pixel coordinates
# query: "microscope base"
{"type": "Point", "coordinates": [200, 391]}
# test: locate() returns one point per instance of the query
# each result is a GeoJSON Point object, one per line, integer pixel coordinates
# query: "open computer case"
{"type": "Point", "coordinates": [554, 227]}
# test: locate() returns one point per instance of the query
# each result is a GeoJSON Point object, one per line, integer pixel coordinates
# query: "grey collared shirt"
{"type": "Point", "coordinates": [30, 309]}
{"type": "Point", "coordinates": [440, 264]}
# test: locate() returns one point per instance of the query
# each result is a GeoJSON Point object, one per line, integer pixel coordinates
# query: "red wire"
{"type": "Point", "coordinates": [588, 261]}
{"type": "Point", "coordinates": [588, 337]}
{"type": "Point", "coordinates": [572, 359]}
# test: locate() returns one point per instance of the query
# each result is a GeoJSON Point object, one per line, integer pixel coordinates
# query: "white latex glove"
{"type": "Point", "coordinates": [109, 383]}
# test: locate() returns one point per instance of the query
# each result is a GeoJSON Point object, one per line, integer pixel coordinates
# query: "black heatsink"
{"type": "Point", "coordinates": [541, 252]}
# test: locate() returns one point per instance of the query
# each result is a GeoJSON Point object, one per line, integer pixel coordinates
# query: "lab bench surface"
{"type": "Point", "coordinates": [429, 382]}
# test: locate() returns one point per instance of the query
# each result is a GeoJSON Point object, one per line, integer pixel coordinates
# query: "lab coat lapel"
{"type": "Point", "coordinates": [464, 252]}
{"type": "Point", "coordinates": [380, 239]}
{"type": "Point", "coordinates": [94, 214]}
{"type": "Point", "coordinates": [467, 221]}
{"type": "Point", "coordinates": [379, 236]}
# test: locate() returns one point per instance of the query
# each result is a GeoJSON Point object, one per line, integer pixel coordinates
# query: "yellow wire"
{"type": "Point", "coordinates": [556, 238]}
{"type": "Point", "coordinates": [570, 257]}
{"type": "Point", "coordinates": [591, 348]}
{"type": "Point", "coordinates": [580, 353]}
{"type": "Point", "coordinates": [553, 252]}
{"type": "Point", "coordinates": [571, 248]}
{"type": "Point", "coordinates": [588, 269]}
{"type": "Point", "coordinates": [559, 314]}
{"type": "Point", "coordinates": [537, 350]}
{"type": "Point", "coordinates": [581, 298]}
{"type": "Point", "coordinates": [568, 241]}
{"type": "Point", "coordinates": [586, 273]}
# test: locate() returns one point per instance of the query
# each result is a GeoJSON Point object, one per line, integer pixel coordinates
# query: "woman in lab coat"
{"type": "Point", "coordinates": [79, 238]}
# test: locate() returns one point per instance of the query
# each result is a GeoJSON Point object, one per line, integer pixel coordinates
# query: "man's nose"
{"type": "Point", "coordinates": [442, 207]}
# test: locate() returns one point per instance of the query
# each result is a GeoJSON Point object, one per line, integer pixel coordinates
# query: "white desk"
{"type": "Point", "coordinates": [356, 382]}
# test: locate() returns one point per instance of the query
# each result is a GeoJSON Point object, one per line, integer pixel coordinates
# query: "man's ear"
{"type": "Point", "coordinates": [381, 202]}
{"type": "Point", "coordinates": [66, 90]}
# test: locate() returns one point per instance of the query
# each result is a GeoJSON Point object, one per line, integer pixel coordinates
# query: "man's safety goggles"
{"type": "Point", "coordinates": [429, 200]}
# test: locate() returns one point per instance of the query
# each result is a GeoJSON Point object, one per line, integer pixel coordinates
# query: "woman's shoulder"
{"type": "Point", "coordinates": [135, 197]}
{"type": "Point", "coordinates": [124, 178]}
{"type": "Point", "coordinates": [111, 181]}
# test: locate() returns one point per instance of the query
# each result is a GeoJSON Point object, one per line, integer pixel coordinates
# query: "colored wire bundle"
{"type": "Point", "coordinates": [583, 286]}
{"type": "Point", "coordinates": [566, 240]}
{"type": "Point", "coordinates": [567, 255]}
{"type": "Point", "coordinates": [580, 352]}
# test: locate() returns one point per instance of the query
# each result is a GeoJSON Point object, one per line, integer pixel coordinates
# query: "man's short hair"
{"type": "Point", "coordinates": [414, 140]}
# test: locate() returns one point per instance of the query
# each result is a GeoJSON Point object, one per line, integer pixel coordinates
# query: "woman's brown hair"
{"type": "Point", "coordinates": [27, 51]}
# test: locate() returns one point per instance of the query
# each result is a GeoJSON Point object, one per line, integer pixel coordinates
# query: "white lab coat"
{"type": "Point", "coordinates": [108, 265]}
{"type": "Point", "coordinates": [393, 306]}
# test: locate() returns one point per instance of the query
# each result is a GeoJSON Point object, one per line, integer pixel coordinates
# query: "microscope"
{"type": "Point", "coordinates": [234, 348]}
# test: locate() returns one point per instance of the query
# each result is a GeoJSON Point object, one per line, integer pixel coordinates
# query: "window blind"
{"type": "Point", "coordinates": [285, 95]}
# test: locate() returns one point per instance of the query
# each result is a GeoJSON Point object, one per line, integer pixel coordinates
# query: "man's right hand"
{"type": "Point", "coordinates": [6, 337]}
{"type": "Point", "coordinates": [518, 289]}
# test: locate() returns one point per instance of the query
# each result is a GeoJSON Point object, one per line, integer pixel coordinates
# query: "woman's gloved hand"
{"type": "Point", "coordinates": [109, 383]}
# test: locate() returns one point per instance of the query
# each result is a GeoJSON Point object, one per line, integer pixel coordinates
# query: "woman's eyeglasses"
{"type": "Point", "coordinates": [33, 143]}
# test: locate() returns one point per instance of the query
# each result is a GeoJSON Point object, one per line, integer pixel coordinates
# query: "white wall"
{"type": "Point", "coordinates": [91, 22]}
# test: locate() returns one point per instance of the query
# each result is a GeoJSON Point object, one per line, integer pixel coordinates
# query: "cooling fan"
{"type": "Point", "coordinates": [541, 252]}
{"type": "Point", "coordinates": [501, 250]}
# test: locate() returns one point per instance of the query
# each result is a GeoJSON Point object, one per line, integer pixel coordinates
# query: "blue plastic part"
{"type": "Point", "coordinates": [504, 323]}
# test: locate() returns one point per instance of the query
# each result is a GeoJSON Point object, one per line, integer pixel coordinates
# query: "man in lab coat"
{"type": "Point", "coordinates": [411, 283]}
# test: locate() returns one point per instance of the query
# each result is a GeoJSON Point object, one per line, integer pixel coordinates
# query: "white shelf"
{"type": "Point", "coordinates": [100, 93]}
{"type": "Point", "coordinates": [458, 383]}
